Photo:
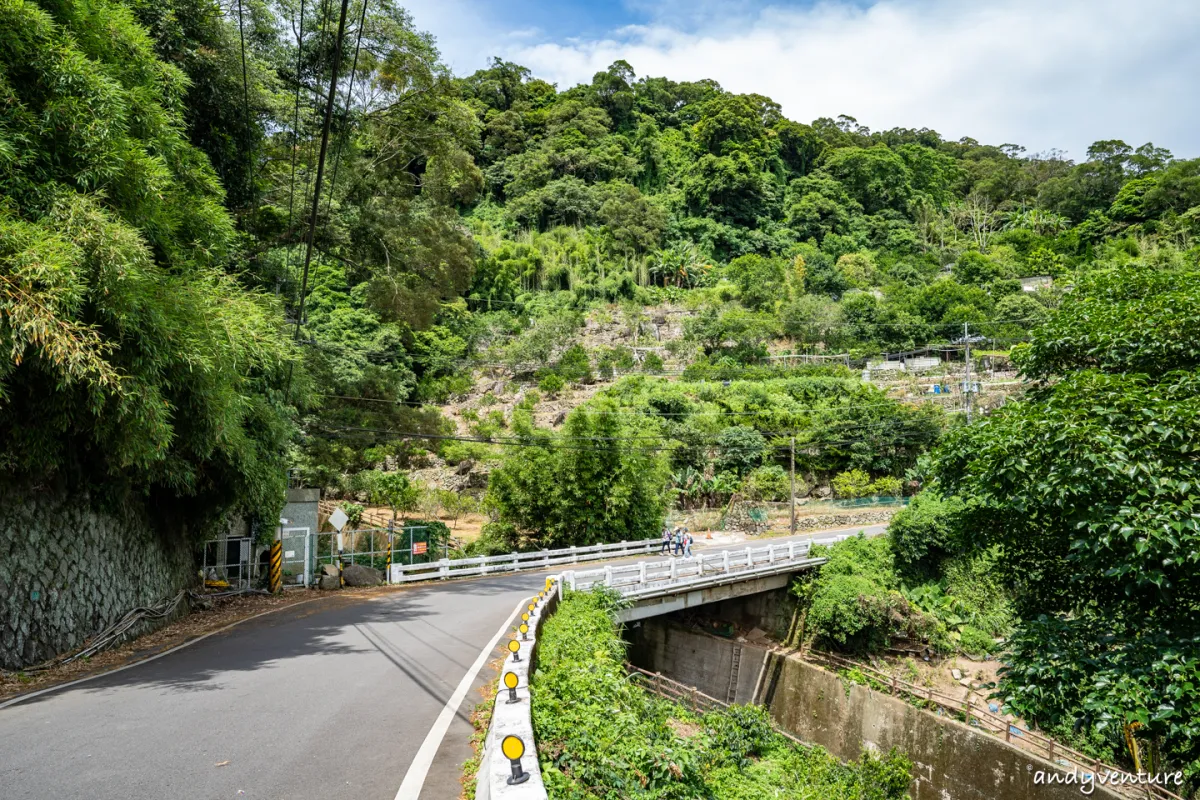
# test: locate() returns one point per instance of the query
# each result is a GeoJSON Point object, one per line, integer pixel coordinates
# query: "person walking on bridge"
{"type": "Point", "coordinates": [678, 540]}
{"type": "Point", "coordinates": [687, 543]}
{"type": "Point", "coordinates": [666, 540]}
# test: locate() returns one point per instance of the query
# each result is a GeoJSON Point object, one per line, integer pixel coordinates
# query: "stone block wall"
{"type": "Point", "coordinates": [69, 569]}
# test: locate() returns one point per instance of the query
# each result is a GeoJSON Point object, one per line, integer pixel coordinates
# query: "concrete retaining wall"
{"type": "Point", "coordinates": [951, 761]}
{"type": "Point", "coordinates": [68, 569]}
{"type": "Point", "coordinates": [704, 662]}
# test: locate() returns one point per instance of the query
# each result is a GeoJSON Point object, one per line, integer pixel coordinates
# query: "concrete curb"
{"type": "Point", "coordinates": [515, 718]}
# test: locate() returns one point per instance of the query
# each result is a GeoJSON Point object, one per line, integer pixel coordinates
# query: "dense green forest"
{"type": "Point", "coordinates": [186, 317]}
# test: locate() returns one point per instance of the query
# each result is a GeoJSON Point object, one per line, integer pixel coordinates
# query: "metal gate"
{"type": "Point", "coordinates": [297, 556]}
{"type": "Point", "coordinates": [227, 562]}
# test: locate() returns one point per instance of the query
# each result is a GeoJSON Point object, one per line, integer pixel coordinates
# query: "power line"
{"type": "Point", "coordinates": [246, 107]}
{"type": "Point", "coordinates": [295, 136]}
{"type": "Point", "coordinates": [638, 411]}
{"type": "Point", "coordinates": [553, 441]}
{"type": "Point", "coordinates": [337, 154]}
{"type": "Point", "coordinates": [312, 226]}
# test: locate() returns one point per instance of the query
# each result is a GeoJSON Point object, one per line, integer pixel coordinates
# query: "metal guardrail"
{"type": "Point", "coordinates": [515, 562]}
{"type": "Point", "coordinates": [651, 578]}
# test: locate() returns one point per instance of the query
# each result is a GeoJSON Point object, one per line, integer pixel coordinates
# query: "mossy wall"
{"type": "Point", "coordinates": [69, 568]}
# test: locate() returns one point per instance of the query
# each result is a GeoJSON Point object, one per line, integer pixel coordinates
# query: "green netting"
{"type": "Point", "coordinates": [860, 502]}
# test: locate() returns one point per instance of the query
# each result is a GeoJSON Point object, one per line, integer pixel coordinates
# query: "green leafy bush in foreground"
{"type": "Point", "coordinates": [858, 603]}
{"type": "Point", "coordinates": [601, 736]}
{"type": "Point", "coordinates": [855, 603]}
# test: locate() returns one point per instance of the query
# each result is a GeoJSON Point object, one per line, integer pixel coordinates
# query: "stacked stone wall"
{"type": "Point", "coordinates": [69, 569]}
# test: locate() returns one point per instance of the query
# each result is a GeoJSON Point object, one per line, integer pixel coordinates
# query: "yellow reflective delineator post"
{"type": "Point", "coordinates": [510, 681]}
{"type": "Point", "coordinates": [276, 575]}
{"type": "Point", "coordinates": [513, 748]}
{"type": "Point", "coordinates": [514, 647]}
{"type": "Point", "coordinates": [525, 617]}
{"type": "Point", "coordinates": [524, 629]}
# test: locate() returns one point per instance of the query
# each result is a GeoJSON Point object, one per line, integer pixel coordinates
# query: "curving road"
{"type": "Point", "coordinates": [329, 699]}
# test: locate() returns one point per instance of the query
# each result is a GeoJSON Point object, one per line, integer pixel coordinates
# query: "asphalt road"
{"type": "Point", "coordinates": [330, 699]}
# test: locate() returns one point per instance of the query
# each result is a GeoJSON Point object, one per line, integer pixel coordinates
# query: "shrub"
{"type": "Point", "coordinates": [975, 642]}
{"type": "Point", "coordinates": [887, 486]}
{"type": "Point", "coordinates": [852, 484]}
{"type": "Point", "coordinates": [574, 365]}
{"type": "Point", "coordinates": [975, 582]}
{"type": "Point", "coordinates": [458, 452]}
{"type": "Point", "coordinates": [604, 365]}
{"type": "Point", "coordinates": [495, 539]}
{"type": "Point", "coordinates": [354, 514]}
{"type": "Point", "coordinates": [652, 363]}
{"type": "Point", "coordinates": [855, 604]}
{"type": "Point", "coordinates": [551, 383]}
{"type": "Point", "coordinates": [737, 734]}
{"type": "Point", "coordinates": [741, 449]}
{"type": "Point", "coordinates": [925, 532]}
{"type": "Point", "coordinates": [770, 483]}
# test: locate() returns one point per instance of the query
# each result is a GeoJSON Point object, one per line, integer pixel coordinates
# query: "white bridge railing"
{"type": "Point", "coordinates": [515, 562]}
{"type": "Point", "coordinates": [651, 577]}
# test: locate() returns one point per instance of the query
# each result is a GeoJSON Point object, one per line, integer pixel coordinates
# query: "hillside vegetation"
{"type": "Point", "coordinates": [586, 291]}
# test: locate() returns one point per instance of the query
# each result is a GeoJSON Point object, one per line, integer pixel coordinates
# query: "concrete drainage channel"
{"type": "Point", "coordinates": [509, 767]}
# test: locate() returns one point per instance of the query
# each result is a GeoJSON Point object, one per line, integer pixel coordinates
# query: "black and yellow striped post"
{"type": "Point", "coordinates": [387, 572]}
{"type": "Point", "coordinates": [276, 576]}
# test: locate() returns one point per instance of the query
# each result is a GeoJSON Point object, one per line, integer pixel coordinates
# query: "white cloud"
{"type": "Point", "coordinates": [1040, 73]}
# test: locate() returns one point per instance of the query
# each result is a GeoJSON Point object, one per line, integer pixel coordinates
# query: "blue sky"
{"type": "Point", "coordinates": [1040, 73]}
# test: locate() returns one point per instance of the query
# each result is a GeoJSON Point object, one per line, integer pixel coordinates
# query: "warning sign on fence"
{"type": "Point", "coordinates": [420, 548]}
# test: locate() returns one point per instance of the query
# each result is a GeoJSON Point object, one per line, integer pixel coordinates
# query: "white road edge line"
{"type": "Point", "coordinates": [418, 770]}
{"type": "Point", "coordinates": [21, 698]}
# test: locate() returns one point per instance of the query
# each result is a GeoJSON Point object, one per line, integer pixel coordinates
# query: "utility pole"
{"type": "Point", "coordinates": [967, 379]}
{"type": "Point", "coordinates": [792, 472]}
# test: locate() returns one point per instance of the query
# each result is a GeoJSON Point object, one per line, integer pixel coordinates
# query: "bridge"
{"type": "Point", "coordinates": [661, 587]}
{"type": "Point", "coordinates": [353, 696]}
